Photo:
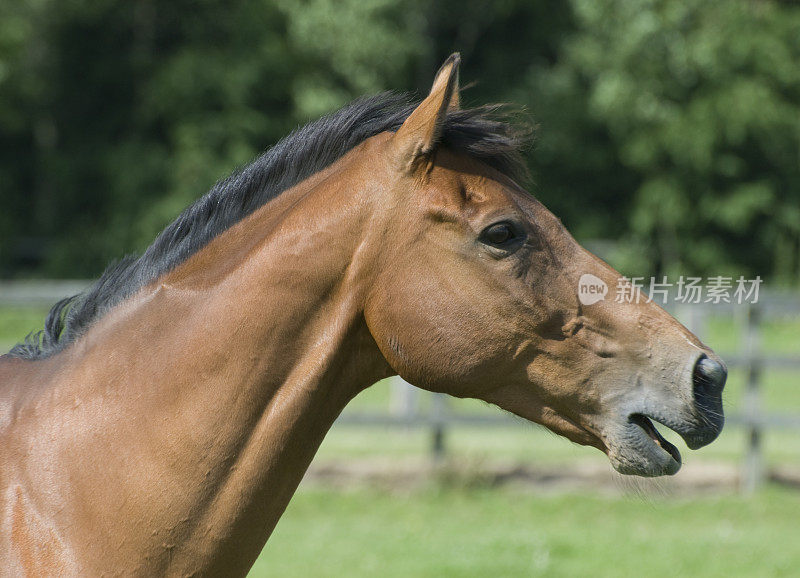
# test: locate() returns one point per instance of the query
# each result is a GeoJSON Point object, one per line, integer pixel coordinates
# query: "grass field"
{"type": "Point", "coordinates": [465, 528]}
{"type": "Point", "coordinates": [482, 533]}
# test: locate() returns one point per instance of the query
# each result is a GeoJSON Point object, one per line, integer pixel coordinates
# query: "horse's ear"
{"type": "Point", "coordinates": [420, 133]}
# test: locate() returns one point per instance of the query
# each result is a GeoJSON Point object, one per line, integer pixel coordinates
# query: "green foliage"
{"type": "Point", "coordinates": [700, 102]}
{"type": "Point", "coordinates": [672, 127]}
{"type": "Point", "coordinates": [347, 48]}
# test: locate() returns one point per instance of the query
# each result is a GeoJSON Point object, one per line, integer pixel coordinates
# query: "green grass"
{"type": "Point", "coordinates": [462, 532]}
{"type": "Point", "coordinates": [778, 336]}
{"type": "Point", "coordinates": [17, 322]}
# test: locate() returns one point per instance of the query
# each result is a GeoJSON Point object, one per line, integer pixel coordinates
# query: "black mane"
{"type": "Point", "coordinates": [481, 133]}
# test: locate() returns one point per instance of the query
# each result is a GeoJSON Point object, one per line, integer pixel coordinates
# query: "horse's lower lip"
{"type": "Point", "coordinates": [647, 425]}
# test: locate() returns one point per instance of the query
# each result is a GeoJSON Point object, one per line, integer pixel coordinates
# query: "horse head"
{"type": "Point", "coordinates": [483, 293]}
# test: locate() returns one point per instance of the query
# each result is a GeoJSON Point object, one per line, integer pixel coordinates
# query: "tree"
{"type": "Point", "coordinates": [669, 125]}
{"type": "Point", "coordinates": [699, 104]}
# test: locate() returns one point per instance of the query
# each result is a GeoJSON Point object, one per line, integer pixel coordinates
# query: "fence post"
{"type": "Point", "coordinates": [438, 409]}
{"type": "Point", "coordinates": [403, 400]}
{"type": "Point", "coordinates": [753, 472]}
{"type": "Point", "coordinates": [692, 316]}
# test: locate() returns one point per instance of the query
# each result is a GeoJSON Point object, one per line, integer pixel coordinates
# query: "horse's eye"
{"type": "Point", "coordinates": [499, 234]}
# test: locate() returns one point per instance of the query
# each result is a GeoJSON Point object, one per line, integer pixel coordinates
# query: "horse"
{"type": "Point", "coordinates": [162, 420]}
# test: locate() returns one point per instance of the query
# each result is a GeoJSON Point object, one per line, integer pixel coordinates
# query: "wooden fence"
{"type": "Point", "coordinates": [751, 358]}
{"type": "Point", "coordinates": [406, 404]}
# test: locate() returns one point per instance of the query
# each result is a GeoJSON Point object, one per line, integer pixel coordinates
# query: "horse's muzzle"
{"type": "Point", "coordinates": [708, 379]}
{"type": "Point", "coordinates": [709, 376]}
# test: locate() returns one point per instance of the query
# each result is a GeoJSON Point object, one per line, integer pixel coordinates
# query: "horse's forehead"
{"type": "Point", "coordinates": [477, 178]}
{"type": "Point", "coordinates": [491, 191]}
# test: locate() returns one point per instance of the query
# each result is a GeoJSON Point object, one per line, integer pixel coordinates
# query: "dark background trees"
{"type": "Point", "coordinates": [668, 129]}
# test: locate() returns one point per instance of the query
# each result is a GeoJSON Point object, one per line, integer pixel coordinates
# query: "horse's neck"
{"type": "Point", "coordinates": [213, 390]}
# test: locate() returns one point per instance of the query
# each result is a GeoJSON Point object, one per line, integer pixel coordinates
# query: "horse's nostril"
{"type": "Point", "coordinates": [709, 376]}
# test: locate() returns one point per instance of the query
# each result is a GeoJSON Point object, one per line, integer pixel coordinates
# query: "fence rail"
{"type": "Point", "coordinates": [40, 293]}
{"type": "Point", "coordinates": [404, 410]}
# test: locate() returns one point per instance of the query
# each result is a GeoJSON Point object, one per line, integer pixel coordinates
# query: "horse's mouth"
{"type": "Point", "coordinates": [635, 447]}
{"type": "Point", "coordinates": [657, 439]}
